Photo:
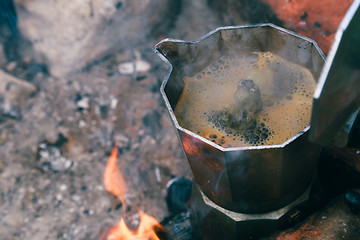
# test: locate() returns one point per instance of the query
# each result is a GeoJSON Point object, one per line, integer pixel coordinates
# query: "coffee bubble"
{"type": "Point", "coordinates": [204, 105]}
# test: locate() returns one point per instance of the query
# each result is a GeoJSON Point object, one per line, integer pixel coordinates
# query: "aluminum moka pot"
{"type": "Point", "coordinates": [255, 179]}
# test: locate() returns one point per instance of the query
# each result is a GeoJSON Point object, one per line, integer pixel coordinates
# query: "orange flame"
{"type": "Point", "coordinates": [113, 179]}
{"type": "Point", "coordinates": [145, 230]}
{"type": "Point", "coordinates": [115, 184]}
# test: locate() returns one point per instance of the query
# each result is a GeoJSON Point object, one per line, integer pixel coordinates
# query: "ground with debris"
{"type": "Point", "coordinates": [55, 141]}
{"type": "Point", "coordinates": [56, 134]}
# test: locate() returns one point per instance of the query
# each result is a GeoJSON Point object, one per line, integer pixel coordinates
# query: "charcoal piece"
{"type": "Point", "coordinates": [118, 5]}
{"type": "Point", "coordinates": [352, 200]}
{"type": "Point", "coordinates": [152, 122]}
{"type": "Point", "coordinates": [178, 194]}
{"type": "Point", "coordinates": [104, 111]}
{"type": "Point", "coordinates": [177, 227]}
{"type": "Point", "coordinates": [140, 78]}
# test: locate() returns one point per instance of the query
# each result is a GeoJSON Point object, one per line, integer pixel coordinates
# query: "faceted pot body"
{"type": "Point", "coordinates": [253, 179]}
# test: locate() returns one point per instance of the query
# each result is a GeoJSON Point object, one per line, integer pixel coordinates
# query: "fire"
{"type": "Point", "coordinates": [115, 184]}
{"type": "Point", "coordinates": [113, 179]}
{"type": "Point", "coordinates": [144, 232]}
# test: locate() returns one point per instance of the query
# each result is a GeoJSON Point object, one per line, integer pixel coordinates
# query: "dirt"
{"type": "Point", "coordinates": [52, 158]}
{"type": "Point", "coordinates": [54, 147]}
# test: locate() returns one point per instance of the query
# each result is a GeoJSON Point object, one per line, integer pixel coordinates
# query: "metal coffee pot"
{"type": "Point", "coordinates": [263, 182]}
{"type": "Point", "coordinates": [253, 179]}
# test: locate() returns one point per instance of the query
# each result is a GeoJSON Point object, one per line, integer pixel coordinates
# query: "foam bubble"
{"type": "Point", "coordinates": [283, 115]}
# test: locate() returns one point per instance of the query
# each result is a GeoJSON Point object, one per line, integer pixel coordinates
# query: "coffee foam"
{"type": "Point", "coordinates": [286, 91]}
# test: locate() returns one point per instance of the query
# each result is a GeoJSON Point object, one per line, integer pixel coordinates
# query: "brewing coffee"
{"type": "Point", "coordinates": [248, 100]}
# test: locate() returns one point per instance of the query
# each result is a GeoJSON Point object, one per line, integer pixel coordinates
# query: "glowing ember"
{"type": "Point", "coordinates": [145, 230]}
{"type": "Point", "coordinates": [115, 184]}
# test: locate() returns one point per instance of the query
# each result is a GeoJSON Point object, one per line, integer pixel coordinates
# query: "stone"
{"type": "Point", "coordinates": [138, 65]}
{"type": "Point", "coordinates": [123, 142]}
{"type": "Point", "coordinates": [15, 90]}
{"type": "Point", "coordinates": [9, 111]}
{"type": "Point", "coordinates": [3, 139]}
{"type": "Point", "coordinates": [134, 67]}
{"type": "Point", "coordinates": [51, 157]}
{"type": "Point", "coordinates": [178, 194]}
{"type": "Point", "coordinates": [69, 34]}
{"type": "Point", "coordinates": [83, 102]}
{"type": "Point", "coordinates": [11, 66]}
